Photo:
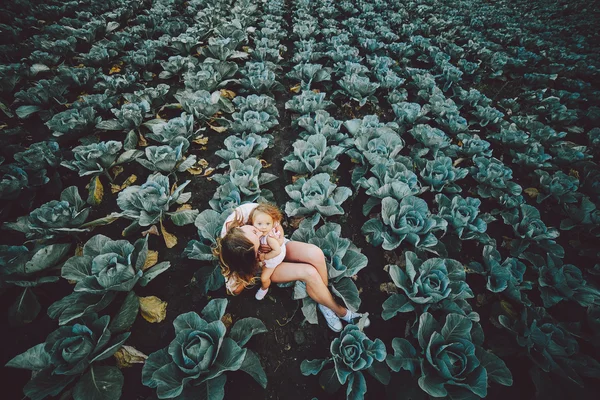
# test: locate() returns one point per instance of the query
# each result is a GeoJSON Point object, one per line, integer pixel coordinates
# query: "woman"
{"type": "Point", "coordinates": [240, 253]}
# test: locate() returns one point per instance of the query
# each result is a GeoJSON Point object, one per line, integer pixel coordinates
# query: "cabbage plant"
{"type": "Point", "coordinates": [54, 218]}
{"type": "Point", "coordinates": [129, 116]}
{"type": "Point", "coordinates": [308, 73]}
{"type": "Point", "coordinates": [106, 268]}
{"type": "Point", "coordinates": [210, 76]}
{"type": "Point", "coordinates": [94, 159]}
{"type": "Point", "coordinates": [530, 230]}
{"type": "Point", "coordinates": [432, 138]}
{"type": "Point", "coordinates": [27, 269]}
{"type": "Point", "coordinates": [433, 284]}
{"type": "Point", "coordinates": [149, 203]}
{"type": "Point", "coordinates": [308, 102]}
{"type": "Point", "coordinates": [72, 355]}
{"type": "Point", "coordinates": [506, 277]}
{"type": "Point", "coordinates": [352, 353]}
{"type": "Point", "coordinates": [495, 178]}
{"type": "Point", "coordinates": [358, 88]}
{"type": "Point", "coordinates": [202, 104]}
{"type": "Point", "coordinates": [196, 362]}
{"type": "Point", "coordinates": [389, 180]}
{"type": "Point", "coordinates": [260, 78]}
{"type": "Point", "coordinates": [249, 145]}
{"type": "Point", "coordinates": [441, 175]}
{"type": "Point", "coordinates": [463, 216]}
{"type": "Point", "coordinates": [167, 159]}
{"type": "Point", "coordinates": [247, 177]}
{"type": "Point", "coordinates": [560, 186]}
{"type": "Point", "coordinates": [313, 155]}
{"type": "Point", "coordinates": [316, 195]}
{"type": "Point", "coordinates": [258, 103]}
{"type": "Point", "coordinates": [376, 146]}
{"type": "Point", "coordinates": [408, 220]}
{"type": "Point", "coordinates": [73, 122]}
{"type": "Point", "coordinates": [176, 65]}
{"type": "Point", "coordinates": [469, 145]}
{"type": "Point", "coordinates": [550, 345]}
{"type": "Point", "coordinates": [252, 121]}
{"type": "Point", "coordinates": [451, 360]}
{"type": "Point", "coordinates": [323, 123]}
{"type": "Point", "coordinates": [169, 132]}
{"type": "Point", "coordinates": [582, 215]}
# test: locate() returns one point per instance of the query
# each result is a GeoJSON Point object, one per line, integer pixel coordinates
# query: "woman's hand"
{"type": "Point", "coordinates": [264, 248]}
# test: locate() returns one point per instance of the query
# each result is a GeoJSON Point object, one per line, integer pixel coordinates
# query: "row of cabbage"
{"type": "Point", "coordinates": [406, 218]}
{"type": "Point", "coordinates": [107, 271]}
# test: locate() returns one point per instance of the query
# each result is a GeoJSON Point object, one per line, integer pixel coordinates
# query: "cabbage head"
{"type": "Point", "coordinates": [463, 216]}
{"type": "Point", "coordinates": [196, 361]}
{"type": "Point", "coordinates": [352, 353]}
{"type": "Point", "coordinates": [494, 178]}
{"type": "Point", "coordinates": [316, 195]}
{"type": "Point", "coordinates": [167, 158]}
{"type": "Point", "coordinates": [408, 220]}
{"type": "Point", "coordinates": [432, 138]}
{"type": "Point", "coordinates": [433, 284]}
{"type": "Point", "coordinates": [54, 218]}
{"type": "Point", "coordinates": [441, 175]}
{"type": "Point", "coordinates": [530, 230]}
{"type": "Point", "coordinates": [389, 180]}
{"type": "Point", "coordinates": [149, 203]}
{"type": "Point", "coordinates": [249, 145]}
{"type": "Point", "coordinates": [313, 155]}
{"type": "Point", "coordinates": [169, 132]}
{"type": "Point", "coordinates": [468, 146]}
{"type": "Point", "coordinates": [73, 354]}
{"type": "Point", "coordinates": [583, 215]}
{"type": "Point", "coordinates": [560, 186]}
{"type": "Point", "coordinates": [451, 360]}
{"type": "Point", "coordinates": [246, 176]}
{"type": "Point", "coordinates": [203, 104]}
{"type": "Point", "coordinates": [252, 121]}
{"type": "Point", "coordinates": [308, 102]}
{"type": "Point", "coordinates": [94, 159]}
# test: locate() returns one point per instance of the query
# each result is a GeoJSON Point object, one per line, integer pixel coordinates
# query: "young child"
{"type": "Point", "coordinates": [266, 218]}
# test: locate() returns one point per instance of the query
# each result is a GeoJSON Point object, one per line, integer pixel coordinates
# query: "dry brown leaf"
{"type": "Point", "coordinates": [98, 191]}
{"type": "Point", "coordinates": [194, 170]}
{"type": "Point", "coordinates": [203, 163]}
{"type": "Point", "coordinates": [316, 91]}
{"type": "Point", "coordinates": [184, 207]}
{"type": "Point", "coordinates": [388, 288]}
{"type": "Point", "coordinates": [142, 142]}
{"type": "Point", "coordinates": [127, 356]}
{"type": "Point", "coordinates": [170, 239]}
{"type": "Point", "coordinates": [117, 170]}
{"type": "Point", "coordinates": [174, 187]}
{"type": "Point", "coordinates": [153, 309]}
{"type": "Point", "coordinates": [115, 188]}
{"type": "Point", "coordinates": [574, 173]}
{"type": "Point", "coordinates": [115, 69]}
{"type": "Point", "coordinates": [296, 177]}
{"type": "Point", "coordinates": [532, 192]}
{"type": "Point", "coordinates": [201, 140]}
{"type": "Point", "coordinates": [228, 94]}
{"type": "Point", "coordinates": [219, 129]}
{"type": "Point", "coordinates": [460, 143]}
{"type": "Point", "coordinates": [152, 231]}
{"type": "Point", "coordinates": [295, 222]}
{"type": "Point", "coordinates": [151, 259]}
{"type": "Point", "coordinates": [208, 171]}
{"type": "Point", "coordinates": [295, 88]}
{"type": "Point", "coordinates": [227, 320]}
{"type": "Point", "coordinates": [264, 163]}
{"type": "Point", "coordinates": [79, 250]}
{"type": "Point", "coordinates": [128, 182]}
{"type": "Point", "coordinates": [246, 49]}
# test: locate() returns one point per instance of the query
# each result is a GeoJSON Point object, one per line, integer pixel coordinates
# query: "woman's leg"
{"type": "Point", "coordinates": [299, 252]}
{"type": "Point", "coordinates": [316, 289]}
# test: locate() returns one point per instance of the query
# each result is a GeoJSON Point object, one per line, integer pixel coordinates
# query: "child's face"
{"type": "Point", "coordinates": [263, 222]}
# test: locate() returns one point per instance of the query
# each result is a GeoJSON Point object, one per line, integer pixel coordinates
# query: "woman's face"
{"type": "Point", "coordinates": [252, 234]}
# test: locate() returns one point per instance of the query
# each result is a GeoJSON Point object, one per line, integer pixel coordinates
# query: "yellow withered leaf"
{"type": "Point", "coordinates": [153, 309]}
{"type": "Point", "coordinates": [203, 163]}
{"type": "Point", "coordinates": [532, 192]}
{"type": "Point", "coordinates": [151, 259]}
{"type": "Point", "coordinates": [574, 172]}
{"type": "Point", "coordinates": [115, 188]}
{"type": "Point", "coordinates": [219, 129]}
{"type": "Point", "coordinates": [208, 171]}
{"type": "Point", "coordinates": [127, 356]}
{"type": "Point", "coordinates": [506, 306]}
{"type": "Point", "coordinates": [264, 163]}
{"type": "Point", "coordinates": [117, 170]}
{"type": "Point", "coordinates": [98, 191]}
{"type": "Point", "coordinates": [170, 239]}
{"type": "Point", "coordinates": [173, 187]}
{"type": "Point", "coordinates": [228, 94]}
{"type": "Point", "coordinates": [295, 88]}
{"type": "Point", "coordinates": [142, 142]}
{"type": "Point", "coordinates": [316, 90]}
{"type": "Point", "coordinates": [79, 250]}
{"type": "Point", "coordinates": [194, 170]}
{"type": "Point", "coordinates": [152, 231]}
{"type": "Point", "coordinates": [227, 320]}
{"type": "Point", "coordinates": [201, 140]}
{"type": "Point", "coordinates": [128, 182]}
{"type": "Point", "coordinates": [115, 69]}
{"type": "Point", "coordinates": [185, 207]}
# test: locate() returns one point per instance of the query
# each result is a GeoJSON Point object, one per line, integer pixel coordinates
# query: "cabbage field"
{"type": "Point", "coordinates": [442, 153]}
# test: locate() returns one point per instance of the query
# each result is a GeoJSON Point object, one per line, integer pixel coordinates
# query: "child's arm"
{"type": "Point", "coordinates": [275, 248]}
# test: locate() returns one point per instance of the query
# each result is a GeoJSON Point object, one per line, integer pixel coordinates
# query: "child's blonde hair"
{"type": "Point", "coordinates": [266, 208]}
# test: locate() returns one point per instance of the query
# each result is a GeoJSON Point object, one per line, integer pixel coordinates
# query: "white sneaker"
{"type": "Point", "coordinates": [353, 317]}
{"type": "Point", "coordinates": [333, 321]}
{"type": "Point", "coordinates": [261, 293]}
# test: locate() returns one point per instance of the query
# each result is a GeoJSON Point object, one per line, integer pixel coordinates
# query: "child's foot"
{"type": "Point", "coordinates": [261, 293]}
